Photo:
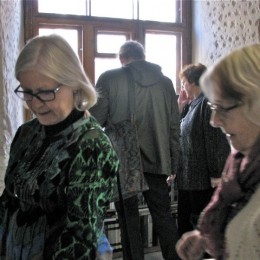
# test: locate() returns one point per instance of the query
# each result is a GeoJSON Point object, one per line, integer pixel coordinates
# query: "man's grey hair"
{"type": "Point", "coordinates": [132, 49]}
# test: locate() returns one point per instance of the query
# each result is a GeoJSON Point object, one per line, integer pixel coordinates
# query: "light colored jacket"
{"type": "Point", "coordinates": [157, 115]}
{"type": "Point", "coordinates": [242, 232]}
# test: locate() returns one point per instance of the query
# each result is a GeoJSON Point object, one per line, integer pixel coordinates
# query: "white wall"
{"type": "Point", "coordinates": [223, 25]}
{"type": "Point", "coordinates": [11, 112]}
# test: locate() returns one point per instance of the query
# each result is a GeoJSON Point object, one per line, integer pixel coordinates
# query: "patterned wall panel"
{"type": "Point", "coordinates": [11, 38]}
{"type": "Point", "coordinates": [223, 25]}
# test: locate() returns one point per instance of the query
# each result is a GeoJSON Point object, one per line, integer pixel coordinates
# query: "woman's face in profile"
{"type": "Point", "coordinates": [188, 88]}
{"type": "Point", "coordinates": [230, 116]}
{"type": "Point", "coordinates": [47, 112]}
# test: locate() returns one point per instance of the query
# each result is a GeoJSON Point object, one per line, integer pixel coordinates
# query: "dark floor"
{"type": "Point", "coordinates": [153, 256]}
{"type": "Point", "coordinates": [148, 256]}
{"type": "Point", "coordinates": [156, 255]}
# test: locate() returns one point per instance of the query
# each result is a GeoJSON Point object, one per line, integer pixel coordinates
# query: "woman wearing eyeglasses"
{"type": "Point", "coordinates": [62, 167]}
{"type": "Point", "coordinates": [204, 150]}
{"type": "Point", "coordinates": [229, 227]}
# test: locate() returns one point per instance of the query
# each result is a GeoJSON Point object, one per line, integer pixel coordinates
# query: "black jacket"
{"type": "Point", "coordinates": [204, 149]}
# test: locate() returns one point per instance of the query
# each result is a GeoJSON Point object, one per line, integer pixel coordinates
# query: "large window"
{"type": "Point", "coordinates": [97, 28]}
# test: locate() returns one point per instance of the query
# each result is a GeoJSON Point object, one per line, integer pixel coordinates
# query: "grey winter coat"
{"type": "Point", "coordinates": [157, 116]}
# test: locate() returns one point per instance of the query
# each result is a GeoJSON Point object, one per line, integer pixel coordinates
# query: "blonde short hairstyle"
{"type": "Point", "coordinates": [237, 77]}
{"type": "Point", "coordinates": [53, 57]}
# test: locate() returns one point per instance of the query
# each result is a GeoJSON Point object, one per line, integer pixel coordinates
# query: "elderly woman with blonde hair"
{"type": "Point", "coordinates": [229, 226]}
{"type": "Point", "coordinates": [62, 167]}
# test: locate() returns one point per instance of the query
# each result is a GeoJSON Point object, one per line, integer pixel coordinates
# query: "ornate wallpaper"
{"type": "Point", "coordinates": [223, 25]}
{"type": "Point", "coordinates": [11, 112]}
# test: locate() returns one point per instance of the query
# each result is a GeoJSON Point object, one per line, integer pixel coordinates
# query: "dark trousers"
{"type": "Point", "coordinates": [158, 202]}
{"type": "Point", "coordinates": [190, 205]}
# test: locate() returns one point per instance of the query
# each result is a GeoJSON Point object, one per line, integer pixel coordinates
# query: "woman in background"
{"type": "Point", "coordinates": [229, 227]}
{"type": "Point", "coordinates": [204, 150]}
{"type": "Point", "coordinates": [62, 167]}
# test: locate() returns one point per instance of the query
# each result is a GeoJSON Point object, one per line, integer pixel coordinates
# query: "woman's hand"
{"type": "Point", "coordinates": [191, 246]}
{"type": "Point", "coordinates": [182, 100]}
{"type": "Point", "coordinates": [171, 179]}
{"type": "Point", "coordinates": [215, 182]}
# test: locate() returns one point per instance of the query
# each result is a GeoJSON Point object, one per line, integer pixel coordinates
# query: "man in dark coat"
{"type": "Point", "coordinates": [157, 122]}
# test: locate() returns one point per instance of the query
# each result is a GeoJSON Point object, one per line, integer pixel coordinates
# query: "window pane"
{"type": "Point", "coordinates": [109, 43]}
{"type": "Point", "coordinates": [77, 7]}
{"type": "Point", "coordinates": [104, 64]}
{"type": "Point", "coordinates": [161, 49]}
{"type": "Point", "coordinates": [70, 35]}
{"type": "Point", "coordinates": [154, 10]}
{"type": "Point", "coordinates": [112, 8]}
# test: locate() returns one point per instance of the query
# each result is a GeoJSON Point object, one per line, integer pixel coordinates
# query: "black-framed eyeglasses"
{"type": "Point", "coordinates": [223, 111]}
{"type": "Point", "coordinates": [43, 95]}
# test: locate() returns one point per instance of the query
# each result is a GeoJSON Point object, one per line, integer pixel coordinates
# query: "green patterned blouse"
{"type": "Point", "coordinates": [57, 189]}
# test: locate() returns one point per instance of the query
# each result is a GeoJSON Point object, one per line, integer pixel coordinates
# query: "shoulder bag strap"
{"type": "Point", "coordinates": [131, 94]}
{"type": "Point", "coordinates": [131, 107]}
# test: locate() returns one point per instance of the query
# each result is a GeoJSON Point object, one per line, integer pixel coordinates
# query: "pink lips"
{"type": "Point", "coordinates": [43, 113]}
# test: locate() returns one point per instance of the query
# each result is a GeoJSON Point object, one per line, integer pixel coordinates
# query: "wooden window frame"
{"type": "Point", "coordinates": [88, 27]}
